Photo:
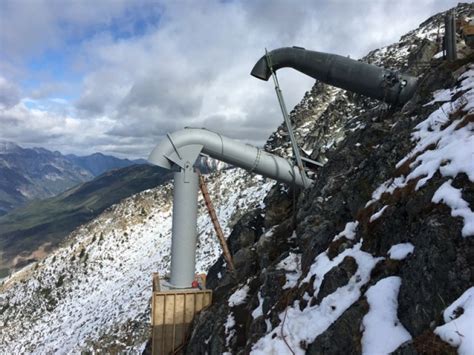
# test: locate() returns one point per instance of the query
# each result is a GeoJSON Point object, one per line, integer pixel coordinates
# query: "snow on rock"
{"type": "Point", "coordinates": [228, 328]}
{"type": "Point", "coordinates": [388, 186]}
{"type": "Point", "coordinates": [459, 207]}
{"type": "Point", "coordinates": [400, 251]}
{"type": "Point", "coordinates": [442, 95]}
{"type": "Point", "coordinates": [444, 143]}
{"type": "Point", "coordinates": [303, 326]}
{"type": "Point", "coordinates": [349, 231]}
{"type": "Point", "coordinates": [239, 296]}
{"type": "Point", "coordinates": [292, 265]}
{"type": "Point", "coordinates": [459, 322]}
{"type": "Point", "coordinates": [94, 292]}
{"type": "Point", "coordinates": [382, 331]}
{"type": "Point", "coordinates": [257, 312]}
{"type": "Point", "coordinates": [454, 145]}
{"type": "Point", "coordinates": [377, 214]}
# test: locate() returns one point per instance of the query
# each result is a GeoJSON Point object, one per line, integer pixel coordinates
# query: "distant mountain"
{"type": "Point", "coordinates": [99, 163]}
{"type": "Point", "coordinates": [36, 173]}
{"type": "Point", "coordinates": [32, 231]}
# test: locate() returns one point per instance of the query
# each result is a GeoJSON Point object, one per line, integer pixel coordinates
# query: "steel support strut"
{"type": "Point", "coordinates": [286, 118]}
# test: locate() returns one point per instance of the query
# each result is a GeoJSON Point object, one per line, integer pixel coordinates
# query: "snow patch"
{"type": "Point", "coordinates": [228, 328]}
{"type": "Point", "coordinates": [383, 332]}
{"type": "Point", "coordinates": [459, 319]}
{"type": "Point", "coordinates": [349, 231]}
{"type": "Point", "coordinates": [377, 214]}
{"type": "Point", "coordinates": [239, 296]}
{"type": "Point", "coordinates": [292, 265]}
{"type": "Point", "coordinates": [303, 326]}
{"type": "Point", "coordinates": [459, 207]}
{"type": "Point", "coordinates": [257, 312]}
{"type": "Point", "coordinates": [387, 187]}
{"type": "Point", "coordinates": [400, 251]}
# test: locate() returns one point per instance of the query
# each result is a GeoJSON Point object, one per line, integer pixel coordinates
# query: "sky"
{"type": "Point", "coordinates": [114, 76]}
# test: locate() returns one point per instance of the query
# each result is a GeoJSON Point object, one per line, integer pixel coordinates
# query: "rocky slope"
{"type": "Point", "coordinates": [376, 257]}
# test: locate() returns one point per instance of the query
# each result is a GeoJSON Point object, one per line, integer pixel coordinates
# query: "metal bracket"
{"type": "Point", "coordinates": [174, 146]}
{"type": "Point", "coordinates": [187, 170]}
{"type": "Point", "coordinates": [257, 161]}
{"type": "Point", "coordinates": [312, 162]}
{"type": "Point", "coordinates": [185, 154]}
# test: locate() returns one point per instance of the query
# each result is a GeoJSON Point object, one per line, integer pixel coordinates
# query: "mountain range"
{"type": "Point", "coordinates": [38, 226]}
{"type": "Point", "coordinates": [28, 174]}
{"type": "Point", "coordinates": [31, 232]}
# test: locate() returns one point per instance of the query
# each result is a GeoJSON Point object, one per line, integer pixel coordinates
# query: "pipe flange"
{"type": "Point", "coordinates": [257, 161]}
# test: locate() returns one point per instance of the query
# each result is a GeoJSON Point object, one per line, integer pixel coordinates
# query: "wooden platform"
{"type": "Point", "coordinates": [172, 313]}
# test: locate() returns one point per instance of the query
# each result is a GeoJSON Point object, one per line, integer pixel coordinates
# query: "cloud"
{"type": "Point", "coordinates": [187, 64]}
{"type": "Point", "coordinates": [28, 27]}
{"type": "Point", "coordinates": [9, 94]}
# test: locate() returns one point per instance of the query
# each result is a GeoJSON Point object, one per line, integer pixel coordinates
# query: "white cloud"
{"type": "Point", "coordinates": [9, 93]}
{"type": "Point", "coordinates": [191, 68]}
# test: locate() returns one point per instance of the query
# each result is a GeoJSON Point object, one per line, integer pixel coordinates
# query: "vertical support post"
{"type": "Point", "coordinates": [184, 229]}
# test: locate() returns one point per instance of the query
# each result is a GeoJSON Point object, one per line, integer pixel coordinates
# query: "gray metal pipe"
{"type": "Point", "coordinates": [345, 73]}
{"type": "Point", "coordinates": [187, 144]}
{"type": "Point", "coordinates": [450, 36]}
{"type": "Point", "coordinates": [180, 150]}
{"type": "Point", "coordinates": [184, 228]}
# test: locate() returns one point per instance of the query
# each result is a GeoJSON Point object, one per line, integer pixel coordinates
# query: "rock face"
{"type": "Point", "coordinates": [379, 211]}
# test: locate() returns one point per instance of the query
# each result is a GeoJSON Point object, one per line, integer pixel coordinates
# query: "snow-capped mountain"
{"type": "Point", "coordinates": [376, 257]}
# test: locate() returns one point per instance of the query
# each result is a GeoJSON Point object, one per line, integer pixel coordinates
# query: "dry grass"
{"type": "Point", "coordinates": [429, 343]}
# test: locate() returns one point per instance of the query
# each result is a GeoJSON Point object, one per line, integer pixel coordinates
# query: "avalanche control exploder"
{"type": "Point", "coordinates": [180, 150]}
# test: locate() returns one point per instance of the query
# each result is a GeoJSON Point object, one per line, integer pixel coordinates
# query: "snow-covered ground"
{"type": "Point", "coordinates": [97, 288]}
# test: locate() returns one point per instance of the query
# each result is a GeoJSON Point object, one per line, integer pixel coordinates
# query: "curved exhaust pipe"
{"type": "Point", "coordinates": [179, 152]}
{"type": "Point", "coordinates": [345, 73]}
{"type": "Point", "coordinates": [186, 145]}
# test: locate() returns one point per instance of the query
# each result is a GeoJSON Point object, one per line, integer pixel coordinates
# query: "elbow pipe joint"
{"type": "Point", "coordinates": [348, 74]}
{"type": "Point", "coordinates": [183, 147]}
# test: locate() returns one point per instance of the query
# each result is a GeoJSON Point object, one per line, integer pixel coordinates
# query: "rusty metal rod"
{"type": "Point", "coordinates": [215, 222]}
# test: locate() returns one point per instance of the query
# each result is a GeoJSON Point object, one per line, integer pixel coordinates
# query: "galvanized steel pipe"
{"type": "Point", "coordinates": [190, 142]}
{"type": "Point", "coordinates": [345, 73]}
{"type": "Point", "coordinates": [184, 228]}
{"type": "Point", "coordinates": [179, 151]}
